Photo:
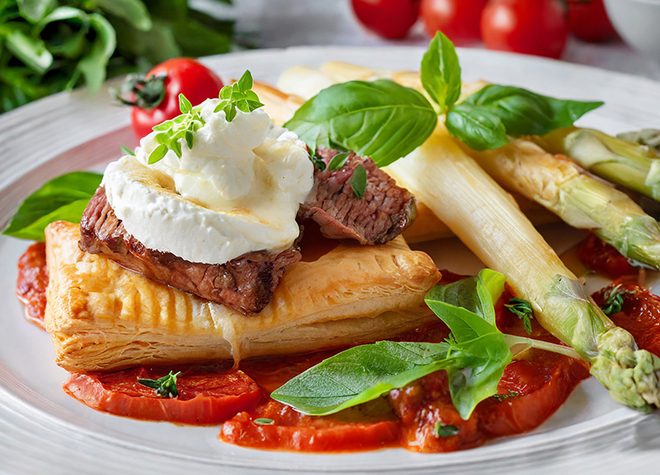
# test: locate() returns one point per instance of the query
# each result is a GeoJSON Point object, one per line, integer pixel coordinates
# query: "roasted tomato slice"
{"type": "Point", "coordinates": [203, 398]}
{"type": "Point", "coordinates": [276, 426]}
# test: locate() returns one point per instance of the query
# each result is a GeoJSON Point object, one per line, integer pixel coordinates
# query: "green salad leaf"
{"type": "Point", "coordinates": [63, 198]}
{"type": "Point", "coordinates": [380, 119]}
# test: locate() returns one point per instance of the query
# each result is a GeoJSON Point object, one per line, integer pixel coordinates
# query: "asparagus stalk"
{"type": "Point", "coordinates": [490, 223]}
{"type": "Point", "coordinates": [630, 165]}
{"type": "Point", "coordinates": [580, 200]}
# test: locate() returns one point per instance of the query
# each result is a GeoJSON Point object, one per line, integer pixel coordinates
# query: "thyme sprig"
{"type": "Point", "coordinates": [172, 133]}
{"type": "Point", "coordinates": [165, 386]}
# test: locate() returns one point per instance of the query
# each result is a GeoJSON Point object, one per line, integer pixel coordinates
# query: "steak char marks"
{"type": "Point", "coordinates": [379, 216]}
{"type": "Point", "coordinates": [245, 284]}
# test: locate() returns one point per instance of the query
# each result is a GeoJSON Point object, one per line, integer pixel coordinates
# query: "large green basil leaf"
{"type": "Point", "coordinates": [380, 119]}
{"type": "Point", "coordinates": [524, 112]}
{"type": "Point", "coordinates": [477, 127]}
{"type": "Point", "coordinates": [63, 198]}
{"type": "Point", "coordinates": [35, 10]}
{"type": "Point", "coordinates": [93, 65]}
{"type": "Point", "coordinates": [361, 374]}
{"type": "Point", "coordinates": [441, 72]}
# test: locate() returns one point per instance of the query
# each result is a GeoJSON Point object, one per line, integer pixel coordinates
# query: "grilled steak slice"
{"type": "Point", "coordinates": [379, 216]}
{"type": "Point", "coordinates": [245, 284]}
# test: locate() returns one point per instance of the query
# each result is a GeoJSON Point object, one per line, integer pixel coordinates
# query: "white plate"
{"type": "Point", "coordinates": [42, 430]}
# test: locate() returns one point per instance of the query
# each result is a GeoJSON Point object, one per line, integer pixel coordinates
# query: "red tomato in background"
{"type": "Point", "coordinates": [181, 75]}
{"type": "Point", "coordinates": [588, 20]}
{"type": "Point", "coordinates": [536, 27]}
{"type": "Point", "coordinates": [388, 18]}
{"type": "Point", "coordinates": [459, 20]}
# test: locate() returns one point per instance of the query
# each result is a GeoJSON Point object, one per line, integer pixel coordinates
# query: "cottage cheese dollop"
{"type": "Point", "coordinates": [237, 190]}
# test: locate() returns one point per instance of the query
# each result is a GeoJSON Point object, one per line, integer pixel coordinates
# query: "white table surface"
{"type": "Point", "coordinates": [284, 23]}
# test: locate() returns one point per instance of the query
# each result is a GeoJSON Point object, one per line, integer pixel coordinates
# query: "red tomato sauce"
{"type": "Point", "coordinates": [604, 258]}
{"type": "Point", "coordinates": [32, 283]}
{"type": "Point", "coordinates": [640, 313]}
{"type": "Point", "coordinates": [531, 390]}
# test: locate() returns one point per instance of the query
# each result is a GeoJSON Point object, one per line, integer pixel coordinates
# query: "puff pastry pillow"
{"type": "Point", "coordinates": [103, 317]}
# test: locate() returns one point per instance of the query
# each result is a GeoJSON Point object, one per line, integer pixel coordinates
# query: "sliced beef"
{"type": "Point", "coordinates": [246, 283]}
{"type": "Point", "coordinates": [379, 216]}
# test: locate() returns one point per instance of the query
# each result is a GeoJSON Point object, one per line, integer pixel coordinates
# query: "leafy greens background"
{"type": "Point", "coordinates": [47, 46]}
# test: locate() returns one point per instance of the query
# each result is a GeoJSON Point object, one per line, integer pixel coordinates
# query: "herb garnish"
{"type": "Point", "coordinates": [523, 310]}
{"type": "Point", "coordinates": [237, 96]}
{"type": "Point", "coordinates": [614, 300]}
{"type": "Point", "coordinates": [165, 386]}
{"type": "Point", "coordinates": [264, 421]}
{"type": "Point", "coordinates": [502, 397]}
{"type": "Point", "coordinates": [445, 430]}
{"type": "Point", "coordinates": [359, 181]}
{"type": "Point", "coordinates": [338, 161]}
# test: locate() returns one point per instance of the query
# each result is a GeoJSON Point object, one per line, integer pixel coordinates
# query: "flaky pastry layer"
{"type": "Point", "coordinates": [102, 317]}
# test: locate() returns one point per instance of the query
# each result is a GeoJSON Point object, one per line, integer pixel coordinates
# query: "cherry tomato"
{"type": "Point", "coordinates": [525, 26]}
{"type": "Point", "coordinates": [156, 97]}
{"type": "Point", "coordinates": [203, 398]}
{"type": "Point", "coordinates": [388, 18]}
{"type": "Point", "coordinates": [588, 20]}
{"type": "Point", "coordinates": [459, 20]}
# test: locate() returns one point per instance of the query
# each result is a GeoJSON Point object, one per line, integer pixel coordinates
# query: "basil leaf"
{"type": "Point", "coordinates": [524, 112]}
{"type": "Point", "coordinates": [359, 181]}
{"type": "Point", "coordinates": [480, 345]}
{"type": "Point", "coordinates": [361, 374]}
{"type": "Point", "coordinates": [338, 161]}
{"type": "Point", "coordinates": [441, 72]}
{"type": "Point", "coordinates": [63, 198]}
{"type": "Point", "coordinates": [478, 127]}
{"type": "Point", "coordinates": [381, 119]}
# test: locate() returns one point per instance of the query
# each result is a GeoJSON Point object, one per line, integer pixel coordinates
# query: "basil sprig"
{"type": "Point", "coordinates": [485, 119]}
{"type": "Point", "coordinates": [63, 198]}
{"type": "Point", "coordinates": [366, 372]}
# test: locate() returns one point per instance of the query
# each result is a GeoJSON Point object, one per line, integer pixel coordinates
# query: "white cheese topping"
{"type": "Point", "coordinates": [238, 190]}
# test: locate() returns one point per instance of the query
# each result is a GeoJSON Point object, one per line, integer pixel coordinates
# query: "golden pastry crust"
{"type": "Point", "coordinates": [103, 317]}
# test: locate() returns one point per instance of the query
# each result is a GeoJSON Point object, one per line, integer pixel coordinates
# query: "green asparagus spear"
{"type": "Point", "coordinates": [580, 200]}
{"type": "Point", "coordinates": [630, 165]}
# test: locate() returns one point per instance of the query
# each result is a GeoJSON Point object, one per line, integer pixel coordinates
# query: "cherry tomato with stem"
{"type": "Point", "coordinates": [155, 97]}
{"type": "Point", "coordinates": [588, 20]}
{"type": "Point", "coordinates": [537, 27]}
{"type": "Point", "coordinates": [459, 20]}
{"type": "Point", "coordinates": [388, 18]}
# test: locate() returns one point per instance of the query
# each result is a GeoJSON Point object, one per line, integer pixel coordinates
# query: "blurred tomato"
{"type": "Point", "coordinates": [535, 27]}
{"type": "Point", "coordinates": [388, 18]}
{"type": "Point", "coordinates": [588, 20]}
{"type": "Point", "coordinates": [459, 20]}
